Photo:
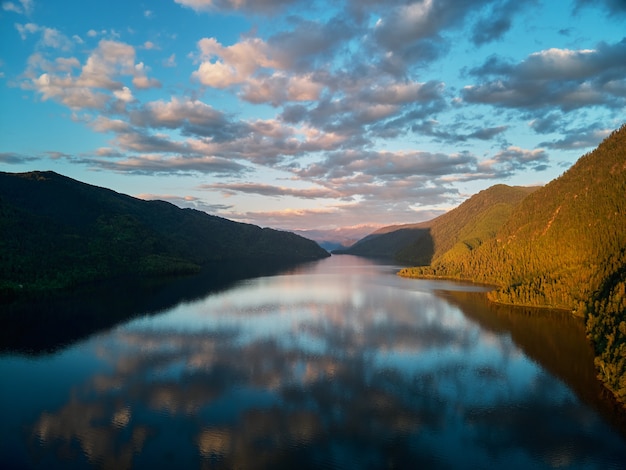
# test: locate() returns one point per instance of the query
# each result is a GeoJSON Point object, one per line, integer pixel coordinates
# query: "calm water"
{"type": "Point", "coordinates": [336, 364]}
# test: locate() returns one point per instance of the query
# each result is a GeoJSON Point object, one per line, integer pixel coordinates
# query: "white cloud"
{"type": "Point", "coordinates": [25, 7]}
{"type": "Point", "coordinates": [25, 29]}
{"type": "Point", "coordinates": [65, 90]}
{"type": "Point", "coordinates": [50, 37]}
{"type": "Point", "coordinates": [217, 75]}
{"type": "Point", "coordinates": [254, 65]}
{"type": "Point", "coordinates": [103, 71]}
{"type": "Point", "coordinates": [124, 95]}
{"type": "Point", "coordinates": [225, 66]}
{"type": "Point", "coordinates": [256, 6]}
{"type": "Point", "coordinates": [170, 61]}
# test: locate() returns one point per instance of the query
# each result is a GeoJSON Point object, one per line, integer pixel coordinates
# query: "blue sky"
{"type": "Point", "coordinates": [300, 114]}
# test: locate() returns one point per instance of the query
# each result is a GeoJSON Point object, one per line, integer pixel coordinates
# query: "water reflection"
{"type": "Point", "coordinates": [39, 326]}
{"type": "Point", "coordinates": [338, 365]}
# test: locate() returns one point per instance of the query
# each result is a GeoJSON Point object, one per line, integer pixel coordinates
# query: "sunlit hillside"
{"type": "Point", "coordinates": [564, 246]}
{"type": "Point", "coordinates": [463, 228]}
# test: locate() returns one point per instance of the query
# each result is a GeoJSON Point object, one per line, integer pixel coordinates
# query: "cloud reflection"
{"type": "Point", "coordinates": [371, 375]}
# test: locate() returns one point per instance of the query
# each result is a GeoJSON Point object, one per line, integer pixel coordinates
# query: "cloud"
{"type": "Point", "coordinates": [497, 20]}
{"type": "Point", "coordinates": [562, 78]}
{"type": "Point", "coordinates": [140, 79]}
{"type": "Point", "coordinates": [99, 82]}
{"type": "Point", "coordinates": [105, 124]}
{"type": "Point", "coordinates": [513, 159]}
{"type": "Point", "coordinates": [253, 65]}
{"type": "Point", "coordinates": [388, 165]}
{"type": "Point", "coordinates": [369, 109]}
{"type": "Point", "coordinates": [337, 215]}
{"type": "Point", "coordinates": [547, 123]}
{"type": "Point", "coordinates": [453, 133]}
{"type": "Point", "coordinates": [413, 35]}
{"type": "Point", "coordinates": [109, 59]}
{"type": "Point", "coordinates": [414, 176]}
{"type": "Point", "coordinates": [253, 6]}
{"type": "Point", "coordinates": [279, 88]}
{"type": "Point", "coordinates": [579, 138]}
{"type": "Point", "coordinates": [50, 37]}
{"type": "Point", "coordinates": [357, 103]}
{"type": "Point", "coordinates": [136, 140]}
{"type": "Point", "coordinates": [274, 191]}
{"type": "Point", "coordinates": [25, 7]}
{"type": "Point", "coordinates": [487, 133]}
{"type": "Point", "coordinates": [223, 67]}
{"type": "Point", "coordinates": [65, 90]}
{"type": "Point", "coordinates": [415, 21]}
{"type": "Point", "coordinates": [159, 164]}
{"type": "Point", "coordinates": [25, 29]}
{"type": "Point", "coordinates": [207, 131]}
{"type": "Point", "coordinates": [613, 7]}
{"type": "Point", "coordinates": [170, 61]}
{"type": "Point", "coordinates": [309, 44]}
{"type": "Point", "coordinates": [191, 117]}
{"type": "Point", "coordinates": [11, 158]}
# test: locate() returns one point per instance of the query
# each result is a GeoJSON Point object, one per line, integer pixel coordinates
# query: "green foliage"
{"type": "Point", "coordinates": [563, 246]}
{"type": "Point", "coordinates": [57, 233]}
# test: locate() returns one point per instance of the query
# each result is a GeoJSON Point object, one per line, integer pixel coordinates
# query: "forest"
{"type": "Point", "coordinates": [58, 233]}
{"type": "Point", "coordinates": [561, 246]}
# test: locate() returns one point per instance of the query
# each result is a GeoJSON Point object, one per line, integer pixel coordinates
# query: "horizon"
{"type": "Point", "coordinates": [309, 115]}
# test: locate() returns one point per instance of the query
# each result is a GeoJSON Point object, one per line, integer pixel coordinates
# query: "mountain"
{"type": "Point", "coordinates": [463, 228]}
{"type": "Point", "coordinates": [57, 232]}
{"type": "Point", "coordinates": [387, 242]}
{"type": "Point", "coordinates": [564, 246]}
{"type": "Point", "coordinates": [338, 238]}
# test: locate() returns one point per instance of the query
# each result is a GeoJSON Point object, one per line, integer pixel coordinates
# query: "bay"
{"type": "Point", "coordinates": [333, 364]}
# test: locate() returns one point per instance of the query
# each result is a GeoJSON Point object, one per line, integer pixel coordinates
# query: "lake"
{"type": "Point", "coordinates": [334, 364]}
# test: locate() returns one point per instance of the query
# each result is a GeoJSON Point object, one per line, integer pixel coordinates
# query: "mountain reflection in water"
{"type": "Point", "coordinates": [337, 364]}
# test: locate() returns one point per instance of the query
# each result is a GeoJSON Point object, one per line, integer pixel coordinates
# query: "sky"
{"type": "Point", "coordinates": [305, 114]}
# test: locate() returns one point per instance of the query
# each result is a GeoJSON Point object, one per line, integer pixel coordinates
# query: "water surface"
{"type": "Point", "coordinates": [335, 364]}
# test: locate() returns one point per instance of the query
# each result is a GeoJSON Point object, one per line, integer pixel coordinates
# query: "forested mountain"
{"type": "Point", "coordinates": [563, 246]}
{"type": "Point", "coordinates": [56, 232]}
{"type": "Point", "coordinates": [387, 241]}
{"type": "Point", "coordinates": [462, 229]}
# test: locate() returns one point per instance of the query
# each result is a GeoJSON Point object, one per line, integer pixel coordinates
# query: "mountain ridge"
{"type": "Point", "coordinates": [58, 232]}
{"type": "Point", "coordinates": [470, 224]}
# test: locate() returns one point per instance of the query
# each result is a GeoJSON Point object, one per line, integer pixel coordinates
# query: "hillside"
{"type": "Point", "coordinates": [462, 229]}
{"type": "Point", "coordinates": [57, 232]}
{"type": "Point", "coordinates": [564, 246]}
{"type": "Point", "coordinates": [387, 241]}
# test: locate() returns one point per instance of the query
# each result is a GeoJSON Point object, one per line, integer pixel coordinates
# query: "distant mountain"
{"type": "Point", "coordinates": [563, 246]}
{"type": "Point", "coordinates": [56, 232]}
{"type": "Point", "coordinates": [337, 238]}
{"type": "Point", "coordinates": [464, 228]}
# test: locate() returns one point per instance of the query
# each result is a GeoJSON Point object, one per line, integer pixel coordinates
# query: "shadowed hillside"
{"type": "Point", "coordinates": [462, 229]}
{"type": "Point", "coordinates": [56, 232]}
{"type": "Point", "coordinates": [388, 241]}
